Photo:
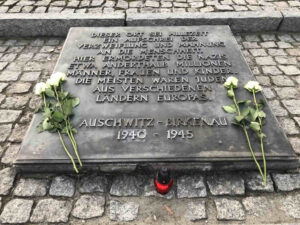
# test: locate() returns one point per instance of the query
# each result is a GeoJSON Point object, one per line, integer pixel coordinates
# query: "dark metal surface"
{"type": "Point", "coordinates": [221, 144]}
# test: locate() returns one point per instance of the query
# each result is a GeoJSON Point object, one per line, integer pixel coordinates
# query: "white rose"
{"type": "Point", "coordinates": [56, 78]}
{"type": "Point", "coordinates": [253, 86]}
{"type": "Point", "coordinates": [53, 82]}
{"type": "Point", "coordinates": [231, 81]}
{"type": "Point", "coordinates": [40, 88]}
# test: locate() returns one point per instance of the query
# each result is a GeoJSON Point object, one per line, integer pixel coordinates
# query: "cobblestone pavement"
{"type": "Point", "coordinates": [209, 198]}
{"type": "Point", "coordinates": [108, 6]}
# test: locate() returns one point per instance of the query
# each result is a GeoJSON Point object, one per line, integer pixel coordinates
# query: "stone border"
{"type": "Point", "coordinates": [56, 24]}
{"type": "Point", "coordinates": [238, 21]}
{"type": "Point", "coordinates": [290, 22]}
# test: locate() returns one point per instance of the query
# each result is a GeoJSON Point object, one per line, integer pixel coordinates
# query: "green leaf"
{"type": "Point", "coordinates": [58, 116]}
{"type": "Point", "coordinates": [239, 118]}
{"type": "Point", "coordinates": [47, 125]}
{"type": "Point", "coordinates": [245, 111]}
{"type": "Point", "coordinates": [261, 135]}
{"type": "Point", "coordinates": [74, 131]}
{"type": "Point", "coordinates": [67, 107]}
{"type": "Point", "coordinates": [230, 93]}
{"type": "Point", "coordinates": [261, 114]}
{"type": "Point", "coordinates": [237, 124]}
{"type": "Point", "coordinates": [47, 112]}
{"type": "Point", "coordinates": [255, 126]}
{"type": "Point", "coordinates": [75, 102]}
{"type": "Point", "coordinates": [229, 108]}
{"type": "Point", "coordinates": [49, 93]}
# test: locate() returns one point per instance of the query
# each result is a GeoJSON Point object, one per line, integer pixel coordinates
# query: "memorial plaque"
{"type": "Point", "coordinates": [154, 96]}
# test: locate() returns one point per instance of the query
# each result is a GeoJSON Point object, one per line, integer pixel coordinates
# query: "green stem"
{"type": "Point", "coordinates": [252, 153]}
{"type": "Point", "coordinates": [261, 141]}
{"type": "Point", "coordinates": [235, 103]}
{"type": "Point", "coordinates": [68, 153]}
{"type": "Point", "coordinates": [246, 134]}
{"type": "Point", "coordinates": [44, 97]}
{"type": "Point", "coordinates": [71, 136]}
{"type": "Point", "coordinates": [68, 129]}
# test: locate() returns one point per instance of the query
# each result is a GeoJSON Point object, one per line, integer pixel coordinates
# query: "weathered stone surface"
{"type": "Point", "coordinates": [288, 125]}
{"type": "Point", "coordinates": [293, 106]}
{"type": "Point", "coordinates": [16, 211]}
{"type": "Point", "coordinates": [3, 65]}
{"type": "Point", "coordinates": [254, 182]}
{"type": "Point", "coordinates": [9, 75]}
{"type": "Point", "coordinates": [31, 187]}
{"type": "Point", "coordinates": [89, 206]}
{"type": "Point", "coordinates": [51, 211]}
{"type": "Point", "coordinates": [257, 206]}
{"type": "Point", "coordinates": [150, 190]}
{"type": "Point", "coordinates": [226, 184]}
{"type": "Point", "coordinates": [290, 70]}
{"type": "Point", "coordinates": [8, 116]}
{"type": "Point", "coordinates": [277, 109]}
{"type": "Point", "coordinates": [291, 205]}
{"type": "Point", "coordinates": [93, 183]}
{"type": "Point", "coordinates": [3, 86]}
{"type": "Point", "coordinates": [229, 209]}
{"type": "Point", "coordinates": [238, 21]}
{"type": "Point", "coordinates": [10, 154]}
{"type": "Point", "coordinates": [54, 24]}
{"type": "Point", "coordinates": [5, 131]}
{"type": "Point", "coordinates": [271, 70]}
{"type": "Point", "coordinates": [296, 144]}
{"type": "Point", "coordinates": [15, 102]}
{"type": "Point", "coordinates": [18, 133]}
{"type": "Point", "coordinates": [196, 211]}
{"type": "Point", "coordinates": [191, 186]}
{"type": "Point", "coordinates": [62, 186]}
{"type": "Point", "coordinates": [30, 76]}
{"type": "Point", "coordinates": [127, 211]}
{"type": "Point", "coordinates": [7, 179]}
{"type": "Point", "coordinates": [127, 185]}
{"type": "Point", "coordinates": [282, 81]}
{"type": "Point", "coordinates": [286, 182]}
{"type": "Point", "coordinates": [291, 21]}
{"type": "Point", "coordinates": [19, 88]}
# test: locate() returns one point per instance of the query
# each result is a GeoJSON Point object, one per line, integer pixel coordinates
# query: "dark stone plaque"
{"type": "Point", "coordinates": [154, 96]}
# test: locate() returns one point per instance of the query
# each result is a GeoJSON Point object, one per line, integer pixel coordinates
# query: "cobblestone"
{"type": "Point", "coordinates": [51, 211]}
{"type": "Point", "coordinates": [286, 182]}
{"type": "Point", "coordinates": [89, 206]}
{"type": "Point", "coordinates": [226, 184]}
{"type": "Point", "coordinates": [31, 187]}
{"type": "Point", "coordinates": [196, 211]}
{"type": "Point", "coordinates": [4, 131]}
{"type": "Point", "coordinates": [258, 206]}
{"type": "Point", "coordinates": [229, 209]}
{"type": "Point", "coordinates": [62, 186]}
{"type": "Point", "coordinates": [93, 183]}
{"type": "Point", "coordinates": [191, 187]}
{"type": "Point", "coordinates": [95, 6]}
{"type": "Point", "coordinates": [16, 211]}
{"type": "Point", "coordinates": [126, 185]}
{"type": "Point", "coordinates": [254, 182]}
{"type": "Point", "coordinates": [10, 154]}
{"type": "Point", "coordinates": [7, 179]}
{"type": "Point", "coordinates": [127, 211]}
{"type": "Point", "coordinates": [291, 206]}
